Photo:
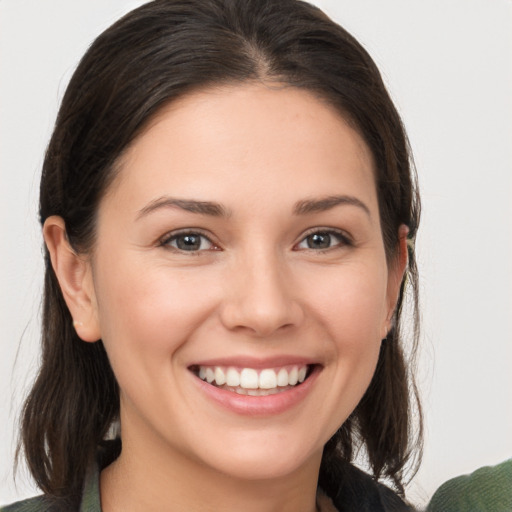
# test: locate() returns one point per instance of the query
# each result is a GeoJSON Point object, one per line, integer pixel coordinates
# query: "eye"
{"type": "Point", "coordinates": [322, 240]}
{"type": "Point", "coordinates": [188, 241]}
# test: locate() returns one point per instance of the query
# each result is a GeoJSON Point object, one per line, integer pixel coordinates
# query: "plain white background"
{"type": "Point", "coordinates": [448, 65]}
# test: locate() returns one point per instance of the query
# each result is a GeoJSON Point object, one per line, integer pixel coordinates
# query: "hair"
{"type": "Point", "coordinates": [155, 54]}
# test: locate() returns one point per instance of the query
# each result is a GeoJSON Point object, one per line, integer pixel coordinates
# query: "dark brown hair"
{"type": "Point", "coordinates": [155, 54]}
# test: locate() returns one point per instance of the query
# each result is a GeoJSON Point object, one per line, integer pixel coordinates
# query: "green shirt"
{"type": "Point", "coordinates": [90, 501]}
{"type": "Point", "coordinates": [488, 489]}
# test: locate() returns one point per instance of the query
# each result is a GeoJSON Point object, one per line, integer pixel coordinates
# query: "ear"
{"type": "Point", "coordinates": [75, 278]}
{"type": "Point", "coordinates": [396, 273]}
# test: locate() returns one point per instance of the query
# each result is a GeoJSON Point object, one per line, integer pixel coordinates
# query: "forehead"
{"type": "Point", "coordinates": [252, 139]}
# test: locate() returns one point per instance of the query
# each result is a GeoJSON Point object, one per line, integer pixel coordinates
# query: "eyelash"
{"type": "Point", "coordinates": [343, 240]}
{"type": "Point", "coordinates": [171, 237]}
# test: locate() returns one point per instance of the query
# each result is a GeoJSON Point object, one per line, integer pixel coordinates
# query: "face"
{"type": "Point", "coordinates": [239, 280]}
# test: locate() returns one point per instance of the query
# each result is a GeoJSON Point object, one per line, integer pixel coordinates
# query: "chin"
{"type": "Point", "coordinates": [264, 460]}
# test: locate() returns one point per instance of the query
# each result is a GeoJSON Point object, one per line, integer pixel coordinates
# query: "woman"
{"type": "Point", "coordinates": [229, 216]}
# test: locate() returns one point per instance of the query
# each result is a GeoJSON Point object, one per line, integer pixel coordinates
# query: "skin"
{"type": "Point", "coordinates": [253, 289]}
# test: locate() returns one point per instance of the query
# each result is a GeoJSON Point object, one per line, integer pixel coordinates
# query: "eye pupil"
{"type": "Point", "coordinates": [188, 242]}
{"type": "Point", "coordinates": [319, 241]}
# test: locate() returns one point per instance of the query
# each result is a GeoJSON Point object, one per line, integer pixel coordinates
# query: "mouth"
{"type": "Point", "coordinates": [252, 381]}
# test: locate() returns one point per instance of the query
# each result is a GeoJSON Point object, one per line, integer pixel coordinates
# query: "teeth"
{"type": "Point", "coordinates": [256, 392]}
{"type": "Point", "coordinates": [262, 392]}
{"type": "Point", "coordinates": [268, 379]}
{"type": "Point", "coordinates": [210, 375]}
{"type": "Point", "coordinates": [232, 377]}
{"type": "Point", "coordinates": [249, 378]}
{"type": "Point", "coordinates": [282, 377]}
{"type": "Point", "coordinates": [220, 376]}
{"type": "Point", "coordinates": [250, 381]}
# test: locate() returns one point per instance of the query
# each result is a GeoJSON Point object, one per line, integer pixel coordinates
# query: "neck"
{"type": "Point", "coordinates": [149, 476]}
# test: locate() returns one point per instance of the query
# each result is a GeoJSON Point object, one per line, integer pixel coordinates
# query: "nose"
{"type": "Point", "coordinates": [260, 297]}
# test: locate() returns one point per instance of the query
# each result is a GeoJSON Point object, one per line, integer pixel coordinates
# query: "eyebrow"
{"type": "Point", "coordinates": [189, 205]}
{"type": "Point", "coordinates": [326, 203]}
{"type": "Point", "coordinates": [211, 208]}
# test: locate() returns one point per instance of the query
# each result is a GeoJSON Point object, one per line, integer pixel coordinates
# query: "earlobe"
{"type": "Point", "coordinates": [395, 276]}
{"type": "Point", "coordinates": [74, 274]}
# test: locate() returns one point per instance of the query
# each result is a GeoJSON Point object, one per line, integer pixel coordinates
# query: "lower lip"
{"type": "Point", "coordinates": [259, 405]}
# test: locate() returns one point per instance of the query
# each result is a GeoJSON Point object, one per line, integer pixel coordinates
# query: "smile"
{"type": "Point", "coordinates": [251, 381]}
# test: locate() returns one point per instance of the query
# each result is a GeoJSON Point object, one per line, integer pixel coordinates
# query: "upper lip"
{"type": "Point", "coordinates": [256, 362]}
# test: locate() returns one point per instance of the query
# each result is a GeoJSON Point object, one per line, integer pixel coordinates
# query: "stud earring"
{"type": "Point", "coordinates": [77, 324]}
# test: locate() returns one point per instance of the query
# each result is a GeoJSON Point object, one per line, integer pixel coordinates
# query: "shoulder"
{"type": "Point", "coordinates": [39, 504]}
{"type": "Point", "coordinates": [487, 488]}
{"type": "Point", "coordinates": [358, 491]}
{"type": "Point", "coordinates": [88, 501]}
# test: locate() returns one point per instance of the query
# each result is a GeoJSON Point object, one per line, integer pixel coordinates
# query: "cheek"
{"type": "Point", "coordinates": [147, 313]}
{"type": "Point", "coordinates": [351, 306]}
{"type": "Point", "coordinates": [351, 302]}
